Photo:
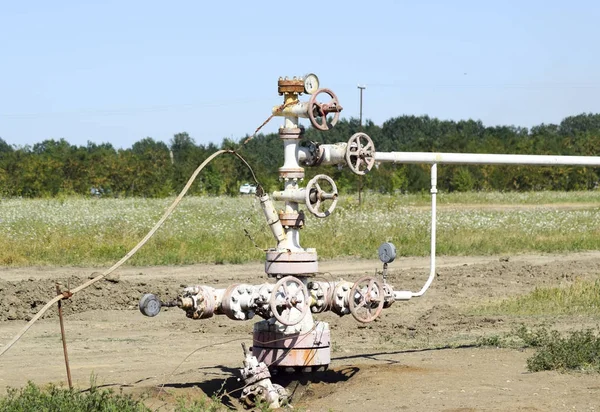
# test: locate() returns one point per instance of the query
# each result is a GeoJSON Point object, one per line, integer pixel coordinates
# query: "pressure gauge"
{"type": "Point", "coordinates": [387, 252]}
{"type": "Point", "coordinates": [311, 83]}
{"type": "Point", "coordinates": [150, 305]}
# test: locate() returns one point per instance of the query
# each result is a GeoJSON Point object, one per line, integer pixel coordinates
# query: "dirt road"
{"type": "Point", "coordinates": [386, 365]}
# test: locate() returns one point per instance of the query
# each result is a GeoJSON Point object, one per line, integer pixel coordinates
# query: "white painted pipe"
{"type": "Point", "coordinates": [433, 232]}
{"type": "Point", "coordinates": [272, 218]}
{"type": "Point", "coordinates": [333, 154]}
{"type": "Point", "coordinates": [297, 195]}
{"type": "Point", "coordinates": [329, 154]}
{"type": "Point", "coordinates": [403, 295]}
{"type": "Point", "coordinates": [296, 110]}
{"type": "Point", "coordinates": [483, 159]}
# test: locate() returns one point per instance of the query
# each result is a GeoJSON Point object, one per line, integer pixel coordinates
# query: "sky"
{"type": "Point", "coordinates": [120, 71]}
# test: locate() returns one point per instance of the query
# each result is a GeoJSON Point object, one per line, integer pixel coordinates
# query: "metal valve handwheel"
{"type": "Point", "coordinates": [315, 196]}
{"type": "Point", "coordinates": [321, 110]}
{"type": "Point", "coordinates": [360, 153]}
{"type": "Point", "coordinates": [289, 301]}
{"type": "Point", "coordinates": [366, 299]}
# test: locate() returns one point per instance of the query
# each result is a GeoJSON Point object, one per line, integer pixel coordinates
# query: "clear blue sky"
{"type": "Point", "coordinates": [119, 71]}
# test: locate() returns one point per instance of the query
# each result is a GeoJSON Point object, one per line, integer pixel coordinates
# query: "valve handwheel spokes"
{"type": "Point", "coordinates": [321, 110]}
{"type": "Point", "coordinates": [315, 196]}
{"type": "Point", "coordinates": [366, 299]}
{"type": "Point", "coordinates": [289, 301]}
{"type": "Point", "coordinates": [360, 153]}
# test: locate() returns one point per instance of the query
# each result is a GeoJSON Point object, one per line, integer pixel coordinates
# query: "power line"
{"type": "Point", "coordinates": [490, 85]}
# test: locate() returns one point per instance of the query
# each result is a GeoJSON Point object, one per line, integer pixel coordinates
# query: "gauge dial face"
{"type": "Point", "coordinates": [149, 305]}
{"type": "Point", "coordinates": [311, 83]}
{"type": "Point", "coordinates": [387, 252]}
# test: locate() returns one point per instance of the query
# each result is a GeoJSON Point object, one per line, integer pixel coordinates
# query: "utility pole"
{"type": "Point", "coordinates": [361, 88]}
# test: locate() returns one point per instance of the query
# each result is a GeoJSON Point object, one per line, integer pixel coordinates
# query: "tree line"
{"type": "Point", "coordinates": [153, 168]}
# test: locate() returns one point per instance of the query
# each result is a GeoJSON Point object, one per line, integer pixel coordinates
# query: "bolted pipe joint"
{"type": "Point", "coordinates": [320, 295]}
{"type": "Point", "coordinates": [340, 302]}
{"type": "Point", "coordinates": [198, 302]}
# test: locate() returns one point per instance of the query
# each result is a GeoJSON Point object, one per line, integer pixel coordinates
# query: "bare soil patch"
{"type": "Point", "coordinates": [394, 363]}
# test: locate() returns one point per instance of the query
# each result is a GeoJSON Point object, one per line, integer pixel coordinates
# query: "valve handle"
{"type": "Point", "coordinates": [289, 301]}
{"type": "Point", "coordinates": [360, 153]}
{"type": "Point", "coordinates": [366, 299]}
{"type": "Point", "coordinates": [315, 196]}
{"type": "Point", "coordinates": [321, 110]}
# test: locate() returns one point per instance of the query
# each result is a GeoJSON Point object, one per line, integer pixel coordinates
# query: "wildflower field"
{"type": "Point", "coordinates": [83, 231]}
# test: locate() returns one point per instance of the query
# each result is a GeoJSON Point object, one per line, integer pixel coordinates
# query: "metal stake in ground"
{"type": "Point", "coordinates": [65, 295]}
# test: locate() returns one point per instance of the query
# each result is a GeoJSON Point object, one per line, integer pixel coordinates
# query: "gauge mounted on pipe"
{"type": "Point", "coordinates": [387, 252]}
{"type": "Point", "coordinates": [311, 83]}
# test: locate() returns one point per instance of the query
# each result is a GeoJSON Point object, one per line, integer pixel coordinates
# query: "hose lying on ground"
{"type": "Point", "coordinates": [128, 255]}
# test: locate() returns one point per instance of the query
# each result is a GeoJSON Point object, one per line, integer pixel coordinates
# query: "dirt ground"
{"type": "Point", "coordinates": [394, 363]}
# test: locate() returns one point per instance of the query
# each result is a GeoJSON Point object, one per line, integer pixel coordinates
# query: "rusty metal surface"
{"type": "Point", "coordinates": [291, 133]}
{"type": "Point", "coordinates": [321, 110]}
{"type": "Point", "coordinates": [199, 302]}
{"type": "Point", "coordinates": [292, 220]}
{"type": "Point", "coordinates": [298, 350]}
{"type": "Point", "coordinates": [291, 173]}
{"type": "Point", "coordinates": [294, 85]}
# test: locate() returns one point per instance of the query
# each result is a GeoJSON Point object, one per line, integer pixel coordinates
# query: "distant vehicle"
{"type": "Point", "coordinates": [247, 189]}
{"type": "Point", "coordinates": [96, 191]}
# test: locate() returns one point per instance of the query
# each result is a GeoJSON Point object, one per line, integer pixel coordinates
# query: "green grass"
{"type": "Point", "coordinates": [578, 350]}
{"type": "Point", "coordinates": [97, 232]}
{"type": "Point", "coordinates": [579, 298]}
{"type": "Point", "coordinates": [53, 398]}
{"type": "Point", "coordinates": [573, 351]}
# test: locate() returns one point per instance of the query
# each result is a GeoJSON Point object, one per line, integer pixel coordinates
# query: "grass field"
{"type": "Point", "coordinates": [83, 231]}
{"type": "Point", "coordinates": [578, 298]}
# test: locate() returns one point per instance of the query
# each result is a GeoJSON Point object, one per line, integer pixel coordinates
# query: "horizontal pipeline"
{"type": "Point", "coordinates": [486, 159]}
